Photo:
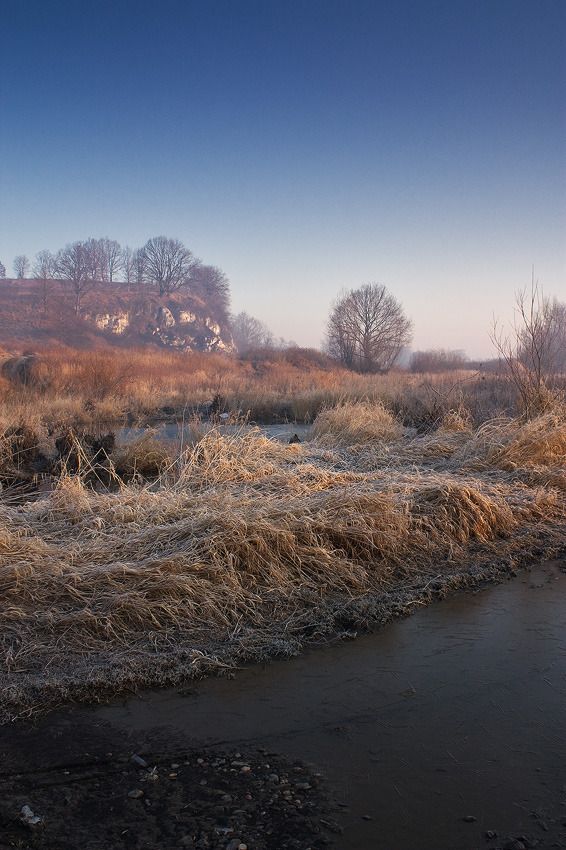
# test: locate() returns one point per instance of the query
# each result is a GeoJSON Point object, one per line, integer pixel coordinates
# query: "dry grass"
{"type": "Point", "coordinates": [247, 548]}
{"type": "Point", "coordinates": [84, 388]}
{"type": "Point", "coordinates": [355, 423]}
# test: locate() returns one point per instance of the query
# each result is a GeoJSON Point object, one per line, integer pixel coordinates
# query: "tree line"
{"type": "Point", "coordinates": [162, 264]}
{"type": "Point", "coordinates": [367, 328]}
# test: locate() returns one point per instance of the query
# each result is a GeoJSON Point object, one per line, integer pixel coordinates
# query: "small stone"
{"type": "Point", "coordinates": [367, 817]}
{"type": "Point", "coordinates": [172, 776]}
{"type": "Point", "coordinates": [469, 819]}
{"type": "Point", "coordinates": [175, 766]}
{"type": "Point", "coordinates": [273, 777]}
{"type": "Point", "coordinates": [29, 817]}
{"type": "Point", "coordinates": [490, 834]}
{"type": "Point", "coordinates": [135, 794]}
{"type": "Point", "coordinates": [139, 761]}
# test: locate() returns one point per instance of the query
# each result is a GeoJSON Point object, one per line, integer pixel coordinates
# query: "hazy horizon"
{"type": "Point", "coordinates": [302, 147]}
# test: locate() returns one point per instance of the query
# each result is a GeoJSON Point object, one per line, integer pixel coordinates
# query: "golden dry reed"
{"type": "Point", "coordinates": [245, 547]}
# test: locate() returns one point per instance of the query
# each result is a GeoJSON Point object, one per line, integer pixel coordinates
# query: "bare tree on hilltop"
{"type": "Point", "coordinates": [21, 266]}
{"type": "Point", "coordinates": [367, 329]}
{"type": "Point", "coordinates": [44, 270]}
{"type": "Point", "coordinates": [74, 264]}
{"type": "Point", "coordinates": [167, 264]}
{"type": "Point", "coordinates": [112, 258]}
{"type": "Point", "coordinates": [211, 284]}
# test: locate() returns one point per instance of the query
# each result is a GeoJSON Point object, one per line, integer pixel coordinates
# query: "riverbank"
{"type": "Point", "coordinates": [246, 549]}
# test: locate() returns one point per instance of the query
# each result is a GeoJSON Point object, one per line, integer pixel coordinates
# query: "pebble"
{"type": "Point", "coordinates": [469, 819]}
{"type": "Point", "coordinates": [135, 794]}
{"type": "Point", "coordinates": [139, 761]}
{"type": "Point", "coordinates": [29, 817]}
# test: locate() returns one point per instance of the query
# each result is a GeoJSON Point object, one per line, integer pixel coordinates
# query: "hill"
{"type": "Point", "coordinates": [38, 313]}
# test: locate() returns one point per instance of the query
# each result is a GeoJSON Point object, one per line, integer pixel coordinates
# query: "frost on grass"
{"type": "Point", "coordinates": [246, 548]}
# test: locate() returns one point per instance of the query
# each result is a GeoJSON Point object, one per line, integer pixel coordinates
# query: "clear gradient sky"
{"type": "Point", "coordinates": [301, 146]}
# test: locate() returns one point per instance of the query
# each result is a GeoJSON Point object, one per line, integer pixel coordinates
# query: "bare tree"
{"type": "Point", "coordinates": [534, 349]}
{"type": "Point", "coordinates": [74, 264]}
{"type": "Point", "coordinates": [138, 260]}
{"type": "Point", "coordinates": [111, 256]}
{"type": "Point", "coordinates": [249, 333]}
{"type": "Point", "coordinates": [44, 269]}
{"type": "Point", "coordinates": [128, 265]}
{"type": "Point", "coordinates": [367, 329]}
{"type": "Point", "coordinates": [168, 265]}
{"type": "Point", "coordinates": [212, 285]}
{"type": "Point", "coordinates": [2, 271]}
{"type": "Point", "coordinates": [21, 266]}
{"type": "Point", "coordinates": [94, 258]}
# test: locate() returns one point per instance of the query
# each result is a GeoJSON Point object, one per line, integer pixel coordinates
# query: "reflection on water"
{"type": "Point", "coordinates": [179, 433]}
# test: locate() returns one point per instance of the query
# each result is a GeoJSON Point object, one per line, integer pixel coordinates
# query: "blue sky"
{"type": "Point", "coordinates": [302, 146]}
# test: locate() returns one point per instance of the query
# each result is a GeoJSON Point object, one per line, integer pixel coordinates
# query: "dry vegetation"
{"type": "Point", "coordinates": [81, 389]}
{"type": "Point", "coordinates": [246, 548]}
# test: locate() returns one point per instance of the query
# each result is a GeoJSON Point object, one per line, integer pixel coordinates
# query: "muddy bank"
{"type": "Point", "coordinates": [445, 731]}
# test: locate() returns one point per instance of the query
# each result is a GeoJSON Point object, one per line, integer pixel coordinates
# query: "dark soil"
{"type": "Point", "coordinates": [211, 799]}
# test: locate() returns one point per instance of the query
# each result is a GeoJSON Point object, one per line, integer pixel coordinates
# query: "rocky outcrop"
{"type": "Point", "coordinates": [170, 325]}
{"type": "Point", "coordinates": [116, 323]}
{"type": "Point", "coordinates": [110, 314]}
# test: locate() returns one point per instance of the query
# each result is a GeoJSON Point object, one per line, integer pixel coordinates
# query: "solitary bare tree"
{"type": "Point", "coordinates": [534, 349]}
{"type": "Point", "coordinates": [167, 264]}
{"type": "Point", "coordinates": [74, 264]}
{"type": "Point", "coordinates": [367, 329]}
{"type": "Point", "coordinates": [2, 271]}
{"type": "Point", "coordinates": [21, 266]}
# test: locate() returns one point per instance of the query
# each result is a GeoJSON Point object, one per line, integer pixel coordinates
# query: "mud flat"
{"type": "Point", "coordinates": [444, 731]}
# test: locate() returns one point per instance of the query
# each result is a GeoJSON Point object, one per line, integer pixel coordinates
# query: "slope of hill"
{"type": "Point", "coordinates": [35, 313]}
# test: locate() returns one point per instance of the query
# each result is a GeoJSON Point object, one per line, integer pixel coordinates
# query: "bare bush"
{"type": "Point", "coordinates": [534, 350]}
{"type": "Point", "coordinates": [437, 360]}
